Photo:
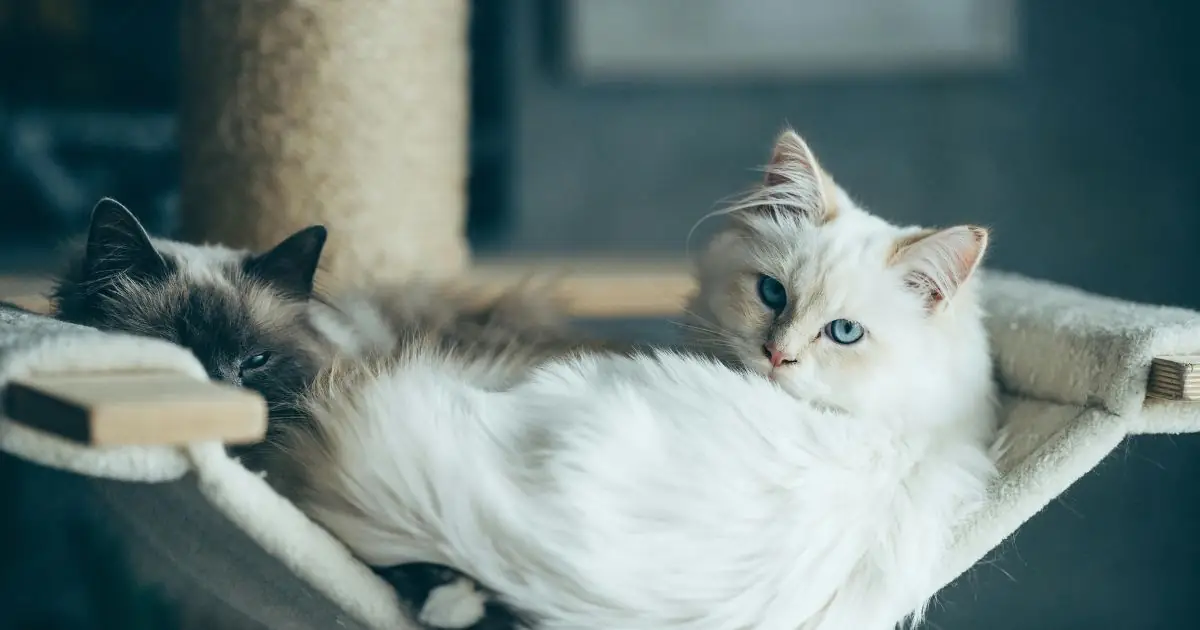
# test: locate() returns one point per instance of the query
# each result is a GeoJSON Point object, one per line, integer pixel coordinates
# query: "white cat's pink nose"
{"type": "Point", "coordinates": [775, 355]}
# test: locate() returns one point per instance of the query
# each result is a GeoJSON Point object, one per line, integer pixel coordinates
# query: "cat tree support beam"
{"type": "Point", "coordinates": [350, 114]}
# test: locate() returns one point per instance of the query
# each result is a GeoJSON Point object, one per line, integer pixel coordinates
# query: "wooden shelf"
{"type": "Point", "coordinates": [601, 288]}
{"type": "Point", "coordinates": [596, 288]}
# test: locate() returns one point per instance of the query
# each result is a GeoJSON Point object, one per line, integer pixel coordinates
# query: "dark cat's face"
{"type": "Point", "coordinates": [244, 316]}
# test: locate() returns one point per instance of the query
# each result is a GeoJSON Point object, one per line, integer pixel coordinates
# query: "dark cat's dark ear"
{"type": "Point", "coordinates": [291, 265]}
{"type": "Point", "coordinates": [118, 244]}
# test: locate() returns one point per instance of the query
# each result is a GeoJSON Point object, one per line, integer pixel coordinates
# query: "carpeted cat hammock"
{"type": "Point", "coordinates": [135, 417]}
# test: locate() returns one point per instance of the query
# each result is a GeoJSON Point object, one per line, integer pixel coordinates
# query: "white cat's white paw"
{"type": "Point", "coordinates": [455, 605]}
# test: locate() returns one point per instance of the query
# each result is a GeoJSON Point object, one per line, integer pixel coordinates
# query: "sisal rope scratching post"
{"type": "Point", "coordinates": [350, 114]}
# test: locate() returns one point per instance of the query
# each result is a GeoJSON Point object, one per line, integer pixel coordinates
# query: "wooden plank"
{"type": "Point", "coordinates": [35, 303]}
{"type": "Point", "coordinates": [136, 407]}
{"type": "Point", "coordinates": [627, 296]}
{"type": "Point", "coordinates": [600, 288]}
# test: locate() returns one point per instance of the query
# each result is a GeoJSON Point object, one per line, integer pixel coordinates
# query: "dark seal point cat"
{"type": "Point", "coordinates": [254, 320]}
{"type": "Point", "coordinates": [245, 316]}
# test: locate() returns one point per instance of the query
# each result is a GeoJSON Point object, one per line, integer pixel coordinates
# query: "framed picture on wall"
{"type": "Point", "coordinates": [622, 40]}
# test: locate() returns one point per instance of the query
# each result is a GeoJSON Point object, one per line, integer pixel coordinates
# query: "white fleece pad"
{"type": "Point", "coordinates": [1072, 366]}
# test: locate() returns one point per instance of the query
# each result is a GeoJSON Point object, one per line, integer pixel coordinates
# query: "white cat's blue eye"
{"type": "Point", "coordinates": [772, 293]}
{"type": "Point", "coordinates": [255, 362]}
{"type": "Point", "coordinates": [844, 331]}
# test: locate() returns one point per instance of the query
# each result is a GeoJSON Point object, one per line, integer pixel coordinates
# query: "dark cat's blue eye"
{"type": "Point", "coordinates": [255, 362]}
{"type": "Point", "coordinates": [844, 331]}
{"type": "Point", "coordinates": [772, 293]}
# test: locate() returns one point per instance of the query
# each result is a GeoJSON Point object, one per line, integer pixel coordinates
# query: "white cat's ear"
{"type": "Point", "coordinates": [118, 244]}
{"type": "Point", "coordinates": [291, 265]}
{"type": "Point", "coordinates": [794, 181]}
{"type": "Point", "coordinates": [937, 262]}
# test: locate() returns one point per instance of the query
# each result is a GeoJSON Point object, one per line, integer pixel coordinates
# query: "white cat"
{"type": "Point", "coordinates": [665, 491]}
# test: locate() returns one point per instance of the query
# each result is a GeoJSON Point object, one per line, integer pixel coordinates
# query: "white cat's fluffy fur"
{"type": "Point", "coordinates": [666, 491]}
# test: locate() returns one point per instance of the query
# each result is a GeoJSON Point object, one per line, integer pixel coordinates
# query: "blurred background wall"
{"type": "Point", "coordinates": [1069, 127]}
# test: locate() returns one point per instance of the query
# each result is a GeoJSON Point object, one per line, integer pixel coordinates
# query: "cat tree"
{"type": "Point", "coordinates": [353, 114]}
